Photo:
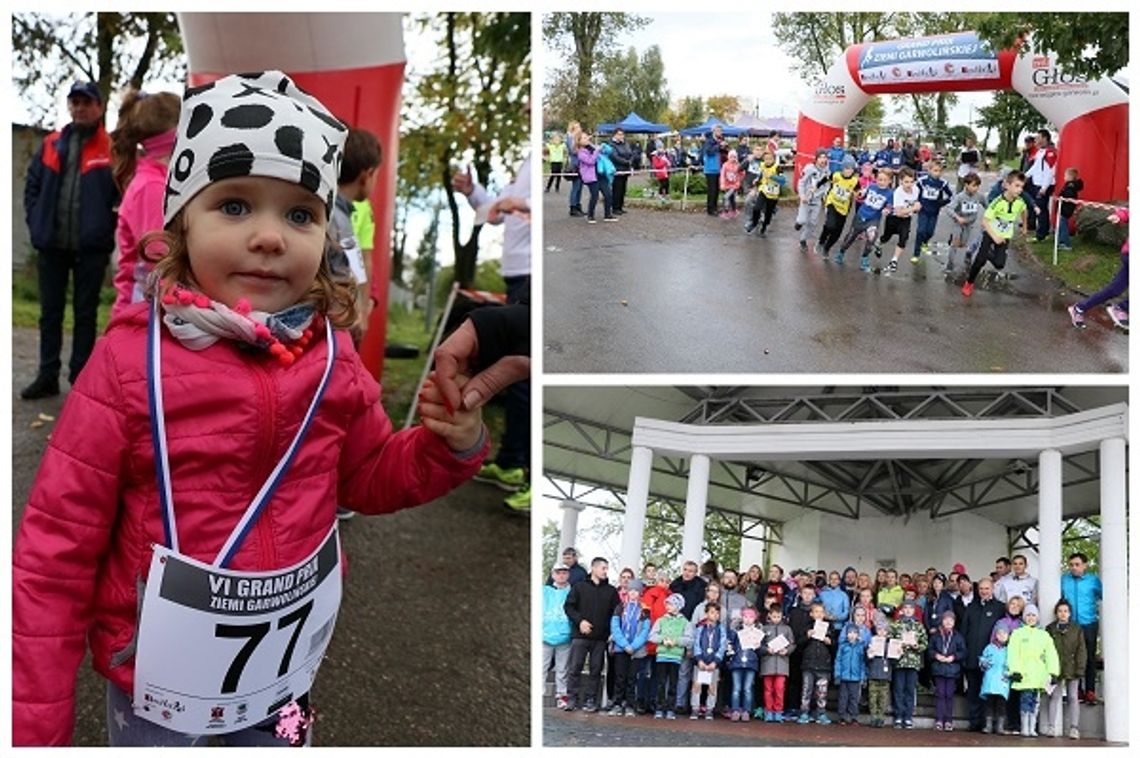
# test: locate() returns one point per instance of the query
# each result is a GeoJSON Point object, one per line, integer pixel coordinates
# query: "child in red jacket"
{"type": "Point", "coordinates": [661, 165]}
{"type": "Point", "coordinates": [183, 518]}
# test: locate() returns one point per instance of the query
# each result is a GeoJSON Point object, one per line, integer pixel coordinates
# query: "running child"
{"type": "Point", "coordinates": [838, 204]}
{"type": "Point", "coordinates": [876, 200]}
{"type": "Point", "coordinates": [238, 361]}
{"type": "Point", "coordinates": [811, 189]}
{"type": "Point", "coordinates": [1117, 287]}
{"type": "Point", "coordinates": [730, 180]}
{"type": "Point", "coordinates": [933, 194]}
{"type": "Point", "coordinates": [965, 210]}
{"type": "Point", "coordinates": [998, 224]}
{"type": "Point", "coordinates": [769, 188]}
{"type": "Point", "coordinates": [904, 205]}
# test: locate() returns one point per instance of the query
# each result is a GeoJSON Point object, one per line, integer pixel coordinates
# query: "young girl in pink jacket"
{"type": "Point", "coordinates": [140, 153]}
{"type": "Point", "coordinates": [183, 520]}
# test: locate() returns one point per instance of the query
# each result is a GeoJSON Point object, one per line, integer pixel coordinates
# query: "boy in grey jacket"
{"type": "Point", "coordinates": [966, 210]}
{"type": "Point", "coordinates": [811, 189]}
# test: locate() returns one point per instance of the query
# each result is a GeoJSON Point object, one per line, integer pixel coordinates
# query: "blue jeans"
{"type": "Point", "coordinates": [575, 190]}
{"type": "Point", "coordinates": [1063, 233]}
{"type": "Point", "coordinates": [902, 693]}
{"type": "Point", "coordinates": [742, 690]}
{"type": "Point", "coordinates": [125, 729]}
{"type": "Point", "coordinates": [1028, 700]}
{"type": "Point", "coordinates": [926, 224]}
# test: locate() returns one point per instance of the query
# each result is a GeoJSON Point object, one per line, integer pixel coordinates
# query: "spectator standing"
{"type": "Point", "coordinates": [1043, 173]}
{"type": "Point", "coordinates": [570, 560]}
{"type": "Point", "coordinates": [556, 153]}
{"type": "Point", "coordinates": [1072, 656]}
{"type": "Point", "coordinates": [573, 129]}
{"type": "Point", "coordinates": [69, 201]}
{"type": "Point", "coordinates": [589, 606]}
{"type": "Point", "coordinates": [1017, 582]}
{"type": "Point", "coordinates": [711, 160]}
{"type": "Point", "coordinates": [622, 156]}
{"type": "Point", "coordinates": [556, 631]}
{"type": "Point", "coordinates": [1083, 590]}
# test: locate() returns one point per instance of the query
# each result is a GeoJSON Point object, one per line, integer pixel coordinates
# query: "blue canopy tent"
{"type": "Point", "coordinates": [706, 127]}
{"type": "Point", "coordinates": [633, 124]}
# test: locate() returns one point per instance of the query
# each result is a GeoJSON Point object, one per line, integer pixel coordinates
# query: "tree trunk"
{"type": "Point", "coordinates": [585, 28]}
{"type": "Point", "coordinates": [106, 30]}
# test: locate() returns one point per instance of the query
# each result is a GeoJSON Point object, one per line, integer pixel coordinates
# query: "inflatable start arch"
{"type": "Point", "coordinates": [354, 64]}
{"type": "Point", "coordinates": [1091, 116]}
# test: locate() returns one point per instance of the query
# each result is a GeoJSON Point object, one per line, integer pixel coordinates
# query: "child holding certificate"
{"type": "Point", "coordinates": [777, 645]}
{"type": "Point", "coordinates": [816, 644]}
{"type": "Point", "coordinates": [744, 651]}
{"type": "Point", "coordinates": [709, 644]}
{"type": "Point", "coordinates": [879, 669]}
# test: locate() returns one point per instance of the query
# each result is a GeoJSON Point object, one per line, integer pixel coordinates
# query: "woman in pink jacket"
{"type": "Point", "coordinates": [1118, 312]}
{"type": "Point", "coordinates": [183, 519]}
{"type": "Point", "coordinates": [140, 153]}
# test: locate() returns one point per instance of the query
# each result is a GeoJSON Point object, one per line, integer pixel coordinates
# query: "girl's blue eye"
{"type": "Point", "coordinates": [301, 216]}
{"type": "Point", "coordinates": [232, 207]}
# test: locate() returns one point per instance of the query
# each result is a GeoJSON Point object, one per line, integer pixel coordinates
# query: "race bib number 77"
{"type": "Point", "coordinates": [223, 650]}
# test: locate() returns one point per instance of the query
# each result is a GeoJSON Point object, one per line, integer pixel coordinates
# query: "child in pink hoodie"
{"type": "Point", "coordinates": [1118, 312]}
{"type": "Point", "coordinates": [730, 179]}
{"type": "Point", "coordinates": [148, 122]}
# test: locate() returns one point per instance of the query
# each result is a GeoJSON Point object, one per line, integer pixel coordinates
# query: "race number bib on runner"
{"type": "Point", "coordinates": [841, 193]}
{"type": "Point", "coordinates": [222, 650]}
{"type": "Point", "coordinates": [1004, 227]}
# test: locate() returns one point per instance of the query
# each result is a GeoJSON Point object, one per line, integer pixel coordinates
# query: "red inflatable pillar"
{"type": "Point", "coordinates": [811, 135]}
{"type": "Point", "coordinates": [1097, 145]}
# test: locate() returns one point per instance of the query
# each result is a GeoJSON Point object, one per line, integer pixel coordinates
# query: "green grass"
{"type": "Point", "coordinates": [26, 302]}
{"type": "Point", "coordinates": [1095, 277]}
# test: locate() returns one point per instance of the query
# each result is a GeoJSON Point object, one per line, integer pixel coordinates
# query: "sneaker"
{"type": "Point", "coordinates": [915, 259]}
{"type": "Point", "coordinates": [615, 711]}
{"type": "Point", "coordinates": [570, 705]}
{"type": "Point", "coordinates": [1077, 316]}
{"type": "Point", "coordinates": [749, 228]}
{"type": "Point", "coordinates": [42, 387]}
{"type": "Point", "coordinates": [797, 226]}
{"type": "Point", "coordinates": [590, 707]}
{"type": "Point", "coordinates": [709, 715]}
{"type": "Point", "coordinates": [763, 231]}
{"type": "Point", "coordinates": [948, 727]}
{"type": "Point", "coordinates": [1090, 697]}
{"type": "Point", "coordinates": [865, 264]}
{"type": "Point", "coordinates": [804, 718]}
{"type": "Point", "coordinates": [659, 714]}
{"type": "Point", "coordinates": [823, 719]}
{"type": "Point", "coordinates": [630, 711]}
{"type": "Point", "coordinates": [1066, 248]}
{"type": "Point", "coordinates": [744, 716]}
{"type": "Point", "coordinates": [576, 212]}
{"type": "Point", "coordinates": [908, 725]}
{"type": "Point", "coordinates": [839, 258]}
{"type": "Point", "coordinates": [670, 716]}
{"type": "Point", "coordinates": [825, 253]}
{"type": "Point", "coordinates": [591, 220]}
{"type": "Point", "coordinates": [694, 715]}
{"type": "Point", "coordinates": [610, 217]}
{"type": "Point", "coordinates": [898, 724]}
{"type": "Point", "coordinates": [968, 289]}
{"type": "Point", "coordinates": [803, 246]}
{"type": "Point", "coordinates": [926, 249]}
{"type": "Point", "coordinates": [1074, 733]}
{"type": "Point", "coordinates": [519, 501]}
{"type": "Point", "coordinates": [344, 514]}
{"type": "Point", "coordinates": [1118, 315]}
{"type": "Point", "coordinates": [878, 250]}
{"type": "Point", "coordinates": [892, 267]}
{"type": "Point", "coordinates": [938, 726]}
{"type": "Point", "coordinates": [507, 479]}
{"type": "Point", "coordinates": [561, 702]}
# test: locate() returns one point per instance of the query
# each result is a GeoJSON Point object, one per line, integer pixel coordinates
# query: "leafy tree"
{"type": "Point", "coordinates": [815, 40]}
{"type": "Point", "coordinates": [1009, 115]}
{"type": "Point", "coordinates": [661, 542]}
{"type": "Point", "coordinates": [551, 538]}
{"type": "Point", "coordinates": [868, 122]}
{"type": "Point", "coordinates": [587, 37]}
{"type": "Point", "coordinates": [723, 107]}
{"type": "Point", "coordinates": [959, 133]}
{"type": "Point", "coordinates": [1083, 537]}
{"type": "Point", "coordinates": [469, 110]}
{"type": "Point", "coordinates": [426, 255]}
{"type": "Point", "coordinates": [114, 50]}
{"type": "Point", "coordinates": [690, 112]}
{"type": "Point", "coordinates": [1090, 44]}
{"type": "Point", "coordinates": [650, 95]}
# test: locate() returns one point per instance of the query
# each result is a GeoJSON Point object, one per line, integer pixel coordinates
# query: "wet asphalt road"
{"type": "Point", "coordinates": [666, 291]}
{"type": "Point", "coordinates": [433, 622]}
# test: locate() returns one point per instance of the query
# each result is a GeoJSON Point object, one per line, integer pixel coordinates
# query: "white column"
{"type": "Point", "coordinates": [569, 534]}
{"type": "Point", "coordinates": [1114, 577]}
{"type": "Point", "coordinates": [1048, 532]}
{"type": "Point", "coordinates": [696, 501]}
{"type": "Point", "coordinates": [636, 500]}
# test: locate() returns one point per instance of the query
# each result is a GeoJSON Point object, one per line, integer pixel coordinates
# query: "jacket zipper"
{"type": "Point", "coordinates": [266, 437]}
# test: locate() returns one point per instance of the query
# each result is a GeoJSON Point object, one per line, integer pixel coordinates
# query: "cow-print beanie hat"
{"type": "Point", "coordinates": [253, 125]}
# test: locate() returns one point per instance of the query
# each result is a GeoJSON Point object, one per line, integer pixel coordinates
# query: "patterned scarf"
{"type": "Point", "coordinates": [630, 617]}
{"type": "Point", "coordinates": [197, 322]}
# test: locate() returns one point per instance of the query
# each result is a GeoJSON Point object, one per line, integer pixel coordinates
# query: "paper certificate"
{"type": "Point", "coordinates": [750, 637]}
{"type": "Point", "coordinates": [909, 638]}
{"type": "Point", "coordinates": [894, 649]}
{"type": "Point", "coordinates": [1049, 687]}
{"type": "Point", "coordinates": [877, 648]}
{"type": "Point", "coordinates": [704, 677]}
{"type": "Point", "coordinates": [777, 643]}
{"type": "Point", "coordinates": [819, 630]}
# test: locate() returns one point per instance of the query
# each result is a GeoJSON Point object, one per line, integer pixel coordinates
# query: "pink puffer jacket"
{"type": "Point", "coordinates": [83, 545]}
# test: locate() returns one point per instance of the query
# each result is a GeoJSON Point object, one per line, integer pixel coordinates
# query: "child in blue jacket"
{"type": "Point", "coordinates": [629, 629]}
{"type": "Point", "coordinates": [710, 641]}
{"type": "Point", "coordinates": [850, 671]}
{"type": "Point", "coordinates": [995, 680]}
{"type": "Point", "coordinates": [744, 661]}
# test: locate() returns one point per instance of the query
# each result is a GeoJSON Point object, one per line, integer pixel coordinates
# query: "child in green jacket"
{"type": "Point", "coordinates": [1033, 666]}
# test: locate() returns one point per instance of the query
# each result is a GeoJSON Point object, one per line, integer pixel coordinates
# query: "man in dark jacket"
{"type": "Point", "coordinates": [690, 586]}
{"type": "Point", "coordinates": [69, 201]}
{"type": "Point", "coordinates": [977, 625]}
{"type": "Point", "coordinates": [622, 157]}
{"type": "Point", "coordinates": [577, 573]}
{"type": "Point", "coordinates": [589, 607]}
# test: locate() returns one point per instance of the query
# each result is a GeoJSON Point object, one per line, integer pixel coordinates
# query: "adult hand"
{"type": "Point", "coordinates": [456, 356]}
{"type": "Point", "coordinates": [585, 626]}
{"type": "Point", "coordinates": [628, 650]}
{"type": "Point", "coordinates": [462, 182]}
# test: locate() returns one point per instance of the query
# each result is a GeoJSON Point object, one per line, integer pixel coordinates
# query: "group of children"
{"type": "Point", "coordinates": [872, 650]}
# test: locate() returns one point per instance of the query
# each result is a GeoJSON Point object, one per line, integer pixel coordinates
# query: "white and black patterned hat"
{"type": "Point", "coordinates": [258, 124]}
